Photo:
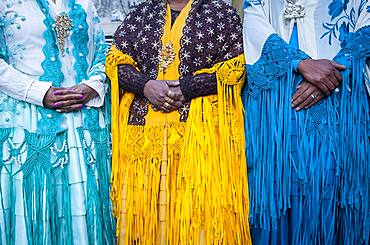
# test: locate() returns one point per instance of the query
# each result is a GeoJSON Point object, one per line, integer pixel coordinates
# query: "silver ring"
{"type": "Point", "coordinates": [313, 96]}
{"type": "Point", "coordinates": [166, 105]}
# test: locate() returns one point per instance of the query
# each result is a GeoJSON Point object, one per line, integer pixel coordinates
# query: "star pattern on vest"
{"type": "Point", "coordinates": [212, 33]}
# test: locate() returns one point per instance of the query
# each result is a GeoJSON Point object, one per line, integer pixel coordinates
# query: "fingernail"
{"type": "Point", "coordinates": [57, 93]}
{"type": "Point", "coordinates": [59, 111]}
{"type": "Point", "coordinates": [57, 104]}
{"type": "Point", "coordinates": [297, 109]}
{"type": "Point", "coordinates": [81, 97]}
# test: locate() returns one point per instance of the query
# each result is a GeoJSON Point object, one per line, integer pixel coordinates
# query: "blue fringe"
{"type": "Point", "coordinates": [330, 171]}
{"type": "Point", "coordinates": [354, 133]}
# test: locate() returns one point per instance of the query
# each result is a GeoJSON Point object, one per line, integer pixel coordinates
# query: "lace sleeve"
{"type": "Point", "coordinates": [198, 85]}
{"type": "Point", "coordinates": [132, 80]}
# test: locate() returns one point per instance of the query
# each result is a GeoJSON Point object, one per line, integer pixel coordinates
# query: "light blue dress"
{"type": "Point", "coordinates": [54, 166]}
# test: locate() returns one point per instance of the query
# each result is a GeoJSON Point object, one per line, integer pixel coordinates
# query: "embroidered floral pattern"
{"type": "Point", "coordinates": [343, 20]}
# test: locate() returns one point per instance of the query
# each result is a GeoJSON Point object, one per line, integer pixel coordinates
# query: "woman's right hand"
{"type": "Point", "coordinates": [53, 98]}
{"type": "Point", "coordinates": [156, 91]}
{"type": "Point", "coordinates": [324, 74]}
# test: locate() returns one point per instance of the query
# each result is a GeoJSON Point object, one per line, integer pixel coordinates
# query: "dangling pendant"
{"type": "Point", "coordinates": [62, 27]}
{"type": "Point", "coordinates": [294, 10]}
{"type": "Point", "coordinates": [166, 56]}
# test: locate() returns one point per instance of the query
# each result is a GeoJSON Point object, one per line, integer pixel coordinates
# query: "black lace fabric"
{"type": "Point", "coordinates": [132, 80]}
{"type": "Point", "coordinates": [197, 86]}
{"type": "Point", "coordinates": [192, 87]}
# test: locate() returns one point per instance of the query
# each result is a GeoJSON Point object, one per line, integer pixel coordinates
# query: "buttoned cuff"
{"type": "Point", "coordinates": [96, 83]}
{"type": "Point", "coordinates": [36, 92]}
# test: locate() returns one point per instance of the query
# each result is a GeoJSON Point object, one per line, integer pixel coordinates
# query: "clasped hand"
{"type": "Point", "coordinates": [68, 99]}
{"type": "Point", "coordinates": [165, 96]}
{"type": "Point", "coordinates": [320, 79]}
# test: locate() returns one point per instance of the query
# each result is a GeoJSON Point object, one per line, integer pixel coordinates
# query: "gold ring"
{"type": "Point", "coordinates": [168, 100]}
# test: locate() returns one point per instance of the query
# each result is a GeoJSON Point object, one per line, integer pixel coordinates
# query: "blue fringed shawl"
{"type": "Point", "coordinates": [336, 129]}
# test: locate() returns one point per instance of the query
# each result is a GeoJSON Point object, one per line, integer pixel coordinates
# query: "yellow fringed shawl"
{"type": "Point", "coordinates": [182, 183]}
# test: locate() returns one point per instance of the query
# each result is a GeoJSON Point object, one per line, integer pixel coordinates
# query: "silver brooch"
{"type": "Point", "coordinates": [294, 10]}
{"type": "Point", "coordinates": [62, 27]}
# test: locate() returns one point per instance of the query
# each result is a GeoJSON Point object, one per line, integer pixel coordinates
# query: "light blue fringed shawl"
{"type": "Point", "coordinates": [47, 153]}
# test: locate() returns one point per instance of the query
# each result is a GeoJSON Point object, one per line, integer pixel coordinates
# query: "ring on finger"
{"type": "Point", "coordinates": [313, 96]}
{"type": "Point", "coordinates": [166, 105]}
{"type": "Point", "coordinates": [169, 100]}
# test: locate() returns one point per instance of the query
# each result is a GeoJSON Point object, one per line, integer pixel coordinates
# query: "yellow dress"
{"type": "Point", "coordinates": [181, 182]}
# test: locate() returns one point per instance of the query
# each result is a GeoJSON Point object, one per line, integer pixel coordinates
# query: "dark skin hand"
{"type": "Point", "coordinates": [68, 99]}
{"type": "Point", "coordinates": [306, 96]}
{"type": "Point", "coordinates": [52, 98]}
{"type": "Point", "coordinates": [324, 74]}
{"type": "Point", "coordinates": [156, 91]}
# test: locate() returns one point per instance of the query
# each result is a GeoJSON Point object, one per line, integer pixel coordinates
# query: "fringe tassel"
{"type": "Point", "coordinates": [115, 58]}
{"type": "Point", "coordinates": [99, 217]}
{"type": "Point", "coordinates": [213, 166]}
{"type": "Point", "coordinates": [39, 192]}
{"type": "Point", "coordinates": [8, 232]}
{"type": "Point", "coordinates": [204, 168]}
{"type": "Point", "coordinates": [324, 179]}
{"type": "Point", "coordinates": [281, 178]}
{"type": "Point", "coordinates": [354, 154]}
{"type": "Point", "coordinates": [267, 123]}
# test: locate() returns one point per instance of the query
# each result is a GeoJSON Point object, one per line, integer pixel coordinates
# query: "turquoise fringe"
{"type": "Point", "coordinates": [99, 208]}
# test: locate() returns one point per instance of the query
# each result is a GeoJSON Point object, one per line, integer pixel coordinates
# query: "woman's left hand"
{"type": "Point", "coordinates": [73, 105]}
{"type": "Point", "coordinates": [306, 96]}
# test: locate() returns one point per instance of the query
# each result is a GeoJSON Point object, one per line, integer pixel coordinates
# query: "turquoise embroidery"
{"type": "Point", "coordinates": [43, 156]}
{"type": "Point", "coordinates": [80, 39]}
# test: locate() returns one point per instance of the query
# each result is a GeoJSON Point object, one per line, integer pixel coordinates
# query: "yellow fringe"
{"type": "Point", "coordinates": [205, 188]}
